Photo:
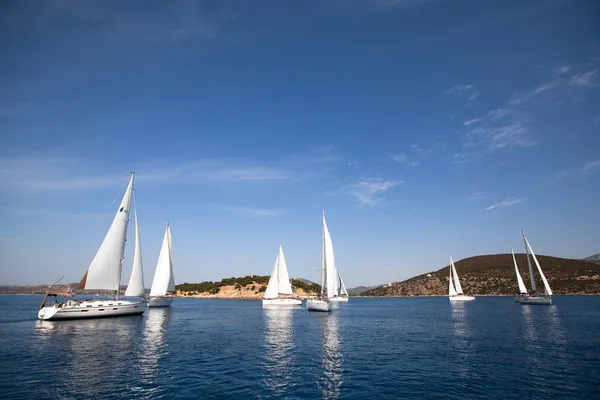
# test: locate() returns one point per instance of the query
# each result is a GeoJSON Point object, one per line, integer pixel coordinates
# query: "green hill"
{"type": "Point", "coordinates": [495, 275]}
{"type": "Point", "coordinates": [260, 281]}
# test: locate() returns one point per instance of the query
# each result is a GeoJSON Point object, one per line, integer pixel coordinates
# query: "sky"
{"type": "Point", "coordinates": [425, 129]}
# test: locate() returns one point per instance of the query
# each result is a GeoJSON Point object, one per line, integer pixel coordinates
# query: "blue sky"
{"type": "Point", "coordinates": [426, 129]}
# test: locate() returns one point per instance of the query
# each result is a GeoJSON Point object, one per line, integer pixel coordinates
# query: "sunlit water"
{"type": "Point", "coordinates": [420, 348]}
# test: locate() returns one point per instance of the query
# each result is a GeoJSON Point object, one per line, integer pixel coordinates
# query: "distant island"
{"type": "Point", "coordinates": [494, 275]}
{"type": "Point", "coordinates": [247, 287]}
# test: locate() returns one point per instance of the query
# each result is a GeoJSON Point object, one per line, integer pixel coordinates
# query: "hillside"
{"type": "Point", "coordinates": [356, 291]}
{"type": "Point", "coordinates": [595, 258]}
{"type": "Point", "coordinates": [495, 275]}
{"type": "Point", "coordinates": [247, 287]}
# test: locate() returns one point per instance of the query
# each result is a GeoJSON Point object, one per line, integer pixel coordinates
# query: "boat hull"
{"type": "Point", "coordinates": [318, 305]}
{"type": "Point", "coordinates": [535, 300]}
{"type": "Point", "coordinates": [160, 301]}
{"type": "Point", "coordinates": [76, 309]}
{"type": "Point", "coordinates": [339, 299]}
{"type": "Point", "coordinates": [461, 297]}
{"type": "Point", "coordinates": [281, 302]}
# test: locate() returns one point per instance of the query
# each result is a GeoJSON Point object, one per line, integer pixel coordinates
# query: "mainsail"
{"type": "Point", "coordinates": [329, 259]}
{"type": "Point", "coordinates": [135, 288]}
{"type": "Point", "coordinates": [451, 290]}
{"type": "Point", "coordinates": [342, 287]}
{"type": "Point", "coordinates": [279, 283]}
{"type": "Point", "coordinates": [546, 285]}
{"type": "Point", "coordinates": [456, 281]}
{"type": "Point", "coordinates": [163, 276]}
{"type": "Point", "coordinates": [104, 272]}
{"type": "Point", "coordinates": [522, 288]}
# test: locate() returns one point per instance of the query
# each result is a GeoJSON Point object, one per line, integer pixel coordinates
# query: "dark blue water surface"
{"type": "Point", "coordinates": [414, 348]}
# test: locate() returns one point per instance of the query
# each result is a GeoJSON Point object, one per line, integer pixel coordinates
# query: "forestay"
{"type": "Point", "coordinates": [135, 288]}
{"type": "Point", "coordinates": [104, 272]}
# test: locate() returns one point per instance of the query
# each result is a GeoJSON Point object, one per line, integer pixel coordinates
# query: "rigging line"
{"type": "Point", "coordinates": [111, 206]}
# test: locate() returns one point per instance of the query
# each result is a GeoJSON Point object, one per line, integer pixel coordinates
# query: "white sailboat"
{"type": "Point", "coordinates": [279, 289]}
{"type": "Point", "coordinates": [164, 280]}
{"type": "Point", "coordinates": [135, 288]}
{"type": "Point", "coordinates": [104, 274]}
{"type": "Point", "coordinates": [455, 292]}
{"type": "Point", "coordinates": [533, 298]}
{"type": "Point", "coordinates": [342, 292]}
{"type": "Point", "coordinates": [328, 279]}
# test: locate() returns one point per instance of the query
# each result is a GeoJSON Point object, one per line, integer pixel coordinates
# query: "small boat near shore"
{"type": "Point", "coordinates": [103, 274]}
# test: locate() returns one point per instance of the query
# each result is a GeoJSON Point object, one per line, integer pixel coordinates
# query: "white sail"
{"type": "Point", "coordinates": [163, 275]}
{"type": "Point", "coordinates": [342, 287]}
{"type": "Point", "coordinates": [546, 285]}
{"type": "Point", "coordinates": [456, 281]}
{"type": "Point", "coordinates": [273, 285]}
{"type": "Point", "coordinates": [522, 288]}
{"type": "Point", "coordinates": [135, 288]}
{"type": "Point", "coordinates": [533, 288]}
{"type": "Point", "coordinates": [104, 272]}
{"type": "Point", "coordinates": [279, 282]}
{"type": "Point", "coordinates": [284, 287]}
{"type": "Point", "coordinates": [172, 279]}
{"type": "Point", "coordinates": [330, 270]}
{"type": "Point", "coordinates": [451, 290]}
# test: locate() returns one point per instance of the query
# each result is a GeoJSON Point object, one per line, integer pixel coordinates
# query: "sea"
{"type": "Point", "coordinates": [369, 348]}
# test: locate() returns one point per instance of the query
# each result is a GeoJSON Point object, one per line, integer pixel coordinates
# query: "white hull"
{"type": "Point", "coordinates": [538, 300]}
{"type": "Point", "coordinates": [461, 297]}
{"type": "Point", "coordinates": [339, 299]}
{"type": "Point", "coordinates": [318, 305]}
{"type": "Point", "coordinates": [160, 301]}
{"type": "Point", "coordinates": [76, 309]}
{"type": "Point", "coordinates": [281, 302]}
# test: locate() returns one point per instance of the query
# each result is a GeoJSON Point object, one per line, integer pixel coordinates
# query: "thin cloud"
{"type": "Point", "coordinates": [492, 115]}
{"type": "Point", "coordinates": [505, 203]}
{"type": "Point", "coordinates": [469, 91]}
{"type": "Point", "coordinates": [477, 196]}
{"type": "Point", "coordinates": [587, 169]}
{"type": "Point", "coordinates": [253, 212]}
{"type": "Point", "coordinates": [586, 79]}
{"type": "Point", "coordinates": [591, 167]}
{"type": "Point", "coordinates": [543, 88]}
{"type": "Point", "coordinates": [369, 191]}
{"type": "Point", "coordinates": [40, 173]}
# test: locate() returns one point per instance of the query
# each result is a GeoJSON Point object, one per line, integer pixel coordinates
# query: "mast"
{"type": "Point", "coordinates": [533, 289]}
{"type": "Point", "coordinates": [323, 252]}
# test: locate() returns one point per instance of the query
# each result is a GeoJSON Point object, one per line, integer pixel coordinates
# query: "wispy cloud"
{"type": "Point", "coordinates": [492, 115]}
{"type": "Point", "coordinates": [587, 79]}
{"type": "Point", "coordinates": [477, 196]}
{"type": "Point", "coordinates": [469, 91]}
{"type": "Point", "coordinates": [45, 173]}
{"type": "Point", "coordinates": [560, 84]}
{"type": "Point", "coordinates": [505, 203]}
{"type": "Point", "coordinates": [370, 191]}
{"type": "Point", "coordinates": [417, 153]}
{"type": "Point", "coordinates": [591, 167]}
{"type": "Point", "coordinates": [586, 169]}
{"type": "Point", "coordinates": [253, 212]}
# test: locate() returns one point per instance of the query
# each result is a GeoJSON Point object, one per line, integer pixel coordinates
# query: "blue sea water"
{"type": "Point", "coordinates": [410, 348]}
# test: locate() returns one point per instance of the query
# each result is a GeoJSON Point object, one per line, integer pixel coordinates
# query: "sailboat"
{"type": "Point", "coordinates": [328, 279]}
{"type": "Point", "coordinates": [135, 288]}
{"type": "Point", "coordinates": [341, 292]}
{"type": "Point", "coordinates": [455, 292]}
{"type": "Point", "coordinates": [279, 289]}
{"type": "Point", "coordinates": [164, 279]}
{"type": "Point", "coordinates": [533, 298]}
{"type": "Point", "coordinates": [104, 273]}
